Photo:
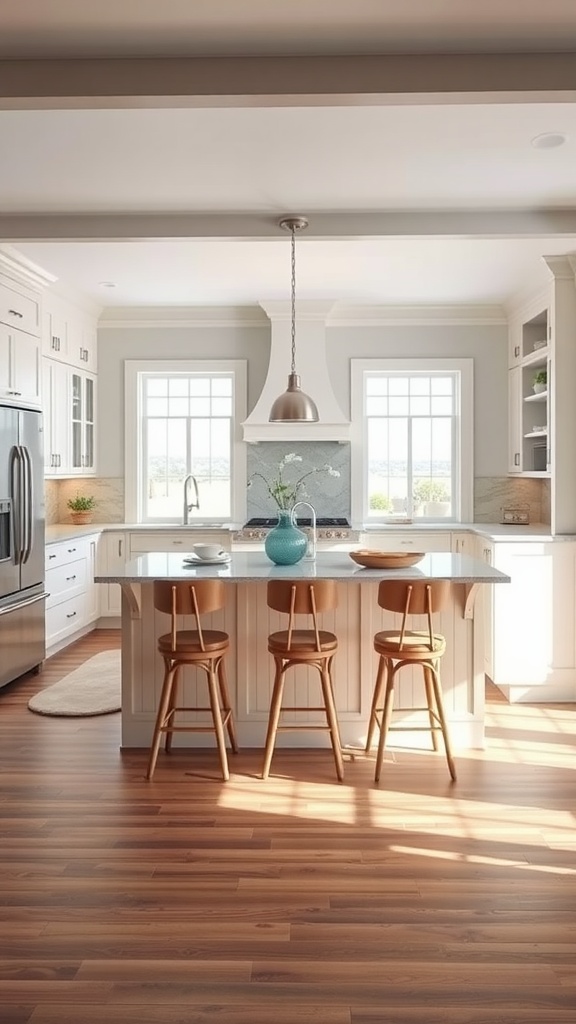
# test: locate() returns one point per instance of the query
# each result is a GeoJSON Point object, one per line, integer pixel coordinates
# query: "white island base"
{"type": "Point", "coordinates": [248, 620]}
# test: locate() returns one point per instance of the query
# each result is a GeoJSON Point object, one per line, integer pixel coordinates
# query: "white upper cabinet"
{"type": "Point", "coordinates": [19, 307]}
{"type": "Point", "coordinates": [19, 366]}
{"type": "Point", "coordinates": [69, 333]}
{"type": "Point", "coordinates": [529, 426]}
{"type": "Point", "coordinates": [542, 385]}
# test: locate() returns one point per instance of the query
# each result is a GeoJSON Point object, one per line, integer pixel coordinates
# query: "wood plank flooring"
{"type": "Point", "coordinates": [293, 901]}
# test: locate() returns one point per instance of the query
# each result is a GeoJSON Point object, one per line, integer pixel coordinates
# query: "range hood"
{"type": "Point", "coordinates": [311, 366]}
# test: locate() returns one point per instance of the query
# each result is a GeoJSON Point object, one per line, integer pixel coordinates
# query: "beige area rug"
{"type": "Point", "coordinates": [91, 689]}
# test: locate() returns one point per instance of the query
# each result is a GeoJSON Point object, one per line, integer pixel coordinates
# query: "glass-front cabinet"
{"type": "Point", "coordinates": [83, 419]}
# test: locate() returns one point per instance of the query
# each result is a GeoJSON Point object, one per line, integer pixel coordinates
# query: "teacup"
{"type": "Point", "coordinates": [208, 550]}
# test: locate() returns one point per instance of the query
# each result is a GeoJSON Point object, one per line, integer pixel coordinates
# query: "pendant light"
{"type": "Point", "coordinates": [293, 406]}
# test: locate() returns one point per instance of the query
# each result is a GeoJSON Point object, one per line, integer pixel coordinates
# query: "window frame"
{"type": "Point", "coordinates": [463, 441]}
{"type": "Point", "coordinates": [134, 371]}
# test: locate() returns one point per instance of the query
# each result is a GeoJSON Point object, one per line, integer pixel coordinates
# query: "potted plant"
{"type": "Point", "coordinates": [540, 382]}
{"type": "Point", "coordinates": [81, 509]}
{"type": "Point", "coordinates": [432, 497]}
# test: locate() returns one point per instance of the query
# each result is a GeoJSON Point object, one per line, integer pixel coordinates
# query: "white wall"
{"type": "Point", "coordinates": [486, 344]}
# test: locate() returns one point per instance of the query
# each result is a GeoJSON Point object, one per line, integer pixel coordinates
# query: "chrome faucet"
{"type": "Point", "coordinates": [189, 505]}
{"type": "Point", "coordinates": [310, 531]}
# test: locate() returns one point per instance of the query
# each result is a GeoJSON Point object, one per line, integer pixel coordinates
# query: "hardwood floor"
{"type": "Point", "coordinates": [298, 900]}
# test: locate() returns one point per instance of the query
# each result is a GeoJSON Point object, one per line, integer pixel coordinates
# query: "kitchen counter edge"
{"type": "Point", "coordinates": [492, 531]}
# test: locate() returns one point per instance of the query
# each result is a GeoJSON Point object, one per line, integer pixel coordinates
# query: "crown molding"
{"type": "Point", "coordinates": [383, 316]}
{"type": "Point", "coordinates": [181, 316]}
{"type": "Point", "coordinates": [23, 270]}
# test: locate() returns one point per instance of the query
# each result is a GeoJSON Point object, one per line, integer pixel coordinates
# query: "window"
{"type": "Point", "coordinates": [413, 439]}
{"type": "Point", "coordinates": [184, 418]}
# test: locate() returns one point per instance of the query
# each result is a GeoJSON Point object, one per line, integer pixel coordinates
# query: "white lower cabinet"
{"type": "Point", "coordinates": [72, 603]}
{"type": "Point", "coordinates": [433, 540]}
{"type": "Point", "coordinates": [529, 623]}
{"type": "Point", "coordinates": [113, 553]}
{"type": "Point", "coordinates": [181, 541]}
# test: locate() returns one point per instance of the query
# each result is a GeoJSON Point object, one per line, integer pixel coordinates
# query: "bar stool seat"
{"type": "Point", "coordinates": [311, 647]}
{"type": "Point", "coordinates": [398, 648]}
{"type": "Point", "coordinates": [189, 640]}
{"type": "Point", "coordinates": [302, 641]}
{"type": "Point", "coordinates": [203, 648]}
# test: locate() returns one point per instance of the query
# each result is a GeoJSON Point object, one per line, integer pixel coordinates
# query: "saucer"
{"type": "Point", "coordinates": [220, 560]}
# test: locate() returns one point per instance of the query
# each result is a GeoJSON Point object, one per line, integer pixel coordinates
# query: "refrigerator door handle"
{"type": "Point", "coordinates": [23, 604]}
{"type": "Point", "coordinates": [28, 502]}
{"type": "Point", "coordinates": [16, 482]}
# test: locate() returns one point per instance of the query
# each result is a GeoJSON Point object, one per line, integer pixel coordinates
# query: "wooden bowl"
{"type": "Point", "coordinates": [386, 559]}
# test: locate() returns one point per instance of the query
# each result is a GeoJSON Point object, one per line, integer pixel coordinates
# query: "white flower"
{"type": "Point", "coordinates": [287, 493]}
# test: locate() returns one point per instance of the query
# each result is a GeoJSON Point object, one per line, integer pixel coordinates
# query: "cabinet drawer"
{"type": "Point", "coordinates": [66, 551]}
{"type": "Point", "coordinates": [66, 581]}
{"type": "Point", "coordinates": [429, 541]}
{"type": "Point", "coordinates": [20, 310]}
{"type": "Point", "coordinates": [65, 618]}
{"type": "Point", "coordinates": [183, 541]}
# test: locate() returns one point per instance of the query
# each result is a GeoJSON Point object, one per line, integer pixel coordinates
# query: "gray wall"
{"type": "Point", "coordinates": [485, 344]}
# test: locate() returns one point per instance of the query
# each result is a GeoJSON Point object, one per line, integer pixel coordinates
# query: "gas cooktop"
{"type": "Point", "coordinates": [322, 522]}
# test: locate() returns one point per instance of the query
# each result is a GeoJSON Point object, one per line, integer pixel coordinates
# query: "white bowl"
{"type": "Point", "coordinates": [208, 550]}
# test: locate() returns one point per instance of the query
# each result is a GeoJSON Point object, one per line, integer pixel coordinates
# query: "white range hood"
{"type": "Point", "coordinates": [312, 368]}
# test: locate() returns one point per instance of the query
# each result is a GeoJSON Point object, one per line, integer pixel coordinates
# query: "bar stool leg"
{"type": "Point", "coordinates": [217, 719]}
{"type": "Point", "coordinates": [435, 674]}
{"type": "Point", "coordinates": [171, 708]}
{"type": "Point", "coordinates": [431, 702]}
{"type": "Point", "coordinates": [332, 719]}
{"type": "Point", "coordinates": [386, 719]}
{"type": "Point", "coordinates": [169, 674]}
{"type": "Point", "coordinates": [274, 716]}
{"type": "Point", "coordinates": [225, 697]}
{"type": "Point", "coordinates": [373, 721]}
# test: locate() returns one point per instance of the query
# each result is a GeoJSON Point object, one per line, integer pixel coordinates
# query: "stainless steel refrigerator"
{"type": "Point", "coordinates": [22, 595]}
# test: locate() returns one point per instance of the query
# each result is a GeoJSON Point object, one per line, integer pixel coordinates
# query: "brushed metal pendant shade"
{"type": "Point", "coordinates": [293, 405]}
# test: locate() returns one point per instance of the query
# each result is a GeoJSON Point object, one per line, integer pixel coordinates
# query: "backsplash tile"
{"type": "Point", "coordinates": [330, 495]}
{"type": "Point", "coordinates": [491, 494]}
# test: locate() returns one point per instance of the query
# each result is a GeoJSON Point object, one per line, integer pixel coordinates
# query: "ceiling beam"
{"type": "Point", "coordinates": [263, 226]}
{"type": "Point", "coordinates": [292, 81]}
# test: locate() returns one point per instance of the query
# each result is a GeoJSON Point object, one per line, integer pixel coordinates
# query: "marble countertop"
{"type": "Point", "coordinates": [492, 531]}
{"type": "Point", "coordinates": [250, 566]}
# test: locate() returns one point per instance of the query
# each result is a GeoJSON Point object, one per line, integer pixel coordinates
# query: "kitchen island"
{"type": "Point", "coordinates": [248, 620]}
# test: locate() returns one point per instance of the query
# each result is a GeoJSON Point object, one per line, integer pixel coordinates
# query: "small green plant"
{"type": "Point", "coordinates": [81, 503]}
{"type": "Point", "coordinates": [540, 377]}
{"type": "Point", "coordinates": [430, 490]}
{"type": "Point", "coordinates": [380, 502]}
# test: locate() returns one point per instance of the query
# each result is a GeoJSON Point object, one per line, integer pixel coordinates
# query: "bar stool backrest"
{"type": "Point", "coordinates": [182, 598]}
{"type": "Point", "coordinates": [417, 598]}
{"type": "Point", "coordinates": [302, 597]}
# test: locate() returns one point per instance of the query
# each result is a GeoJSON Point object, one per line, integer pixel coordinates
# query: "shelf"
{"type": "Point", "coordinates": [537, 358]}
{"type": "Point", "coordinates": [542, 396]}
{"type": "Point", "coordinates": [537, 433]}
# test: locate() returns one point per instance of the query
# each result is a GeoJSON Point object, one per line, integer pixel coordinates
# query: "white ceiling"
{"type": "Point", "coordinates": [262, 162]}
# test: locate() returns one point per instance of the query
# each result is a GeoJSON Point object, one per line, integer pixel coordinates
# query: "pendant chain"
{"type": "Point", "coordinates": [293, 299]}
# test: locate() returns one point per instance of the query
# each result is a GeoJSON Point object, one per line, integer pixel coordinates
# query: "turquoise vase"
{"type": "Point", "coordinates": [285, 544]}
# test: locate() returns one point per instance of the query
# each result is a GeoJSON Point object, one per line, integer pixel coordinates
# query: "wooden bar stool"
{"type": "Point", "coordinates": [313, 647]}
{"type": "Point", "coordinates": [400, 647]}
{"type": "Point", "coordinates": [205, 648]}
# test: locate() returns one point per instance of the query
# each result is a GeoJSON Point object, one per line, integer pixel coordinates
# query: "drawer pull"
{"type": "Point", "coordinates": [71, 551]}
{"type": "Point", "coordinates": [71, 615]}
{"type": "Point", "coordinates": [15, 312]}
{"type": "Point", "coordinates": [51, 556]}
{"type": "Point", "coordinates": [177, 542]}
{"type": "Point", "coordinates": [68, 578]}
